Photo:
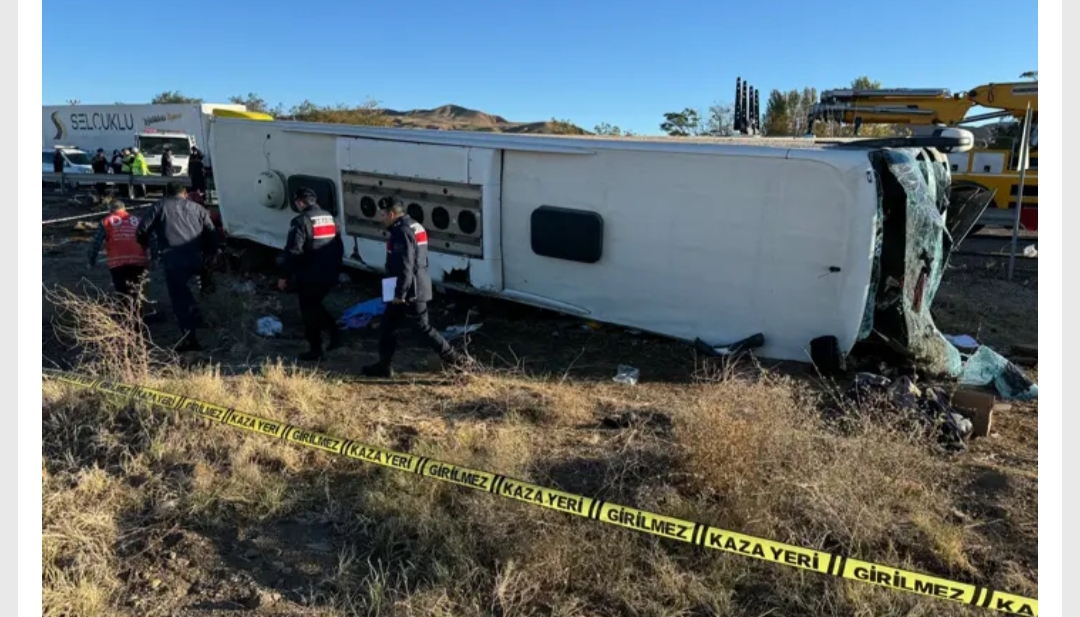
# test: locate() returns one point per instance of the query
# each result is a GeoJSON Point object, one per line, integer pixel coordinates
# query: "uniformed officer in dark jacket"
{"type": "Point", "coordinates": [100, 165]}
{"type": "Point", "coordinates": [407, 260]}
{"type": "Point", "coordinates": [166, 162]}
{"type": "Point", "coordinates": [185, 239]}
{"type": "Point", "coordinates": [197, 171]}
{"type": "Point", "coordinates": [310, 265]}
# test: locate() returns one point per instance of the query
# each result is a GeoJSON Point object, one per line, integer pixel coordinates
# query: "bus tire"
{"type": "Point", "coordinates": [826, 355]}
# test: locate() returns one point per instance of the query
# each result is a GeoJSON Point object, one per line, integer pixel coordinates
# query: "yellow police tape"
{"type": "Point", "coordinates": [698, 534]}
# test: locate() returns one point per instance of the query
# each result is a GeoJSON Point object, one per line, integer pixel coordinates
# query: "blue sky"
{"type": "Point", "coordinates": [625, 62]}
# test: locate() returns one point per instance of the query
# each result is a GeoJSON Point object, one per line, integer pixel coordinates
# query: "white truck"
{"type": "Point", "coordinates": [148, 127]}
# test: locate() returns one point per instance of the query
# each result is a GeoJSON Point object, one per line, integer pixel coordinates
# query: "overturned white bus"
{"type": "Point", "coordinates": [813, 245]}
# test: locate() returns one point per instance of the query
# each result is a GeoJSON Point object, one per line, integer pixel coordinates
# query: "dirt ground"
{"type": "Point", "coordinates": [152, 513]}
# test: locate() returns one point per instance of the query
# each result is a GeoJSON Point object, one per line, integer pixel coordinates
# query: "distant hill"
{"type": "Point", "coordinates": [458, 118]}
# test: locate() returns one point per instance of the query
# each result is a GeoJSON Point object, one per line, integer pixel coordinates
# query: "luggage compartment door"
{"type": "Point", "coordinates": [453, 191]}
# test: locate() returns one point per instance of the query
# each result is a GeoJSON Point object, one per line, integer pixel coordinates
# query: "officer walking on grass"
{"type": "Point", "coordinates": [186, 237]}
{"type": "Point", "coordinates": [407, 260]}
{"type": "Point", "coordinates": [310, 265]}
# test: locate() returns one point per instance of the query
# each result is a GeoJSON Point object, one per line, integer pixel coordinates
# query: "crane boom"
{"type": "Point", "coordinates": [990, 175]}
{"type": "Point", "coordinates": [924, 106]}
{"type": "Point", "coordinates": [1012, 97]}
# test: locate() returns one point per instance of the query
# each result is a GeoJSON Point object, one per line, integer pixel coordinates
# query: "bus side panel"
{"type": "Point", "coordinates": [712, 246]}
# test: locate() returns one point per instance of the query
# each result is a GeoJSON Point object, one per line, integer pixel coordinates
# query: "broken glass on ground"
{"type": "Point", "coordinates": [626, 374]}
{"type": "Point", "coordinates": [268, 326]}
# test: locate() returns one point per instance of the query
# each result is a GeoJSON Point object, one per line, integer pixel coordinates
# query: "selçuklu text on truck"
{"type": "Point", "coordinates": [149, 127]}
{"type": "Point", "coordinates": [798, 240]}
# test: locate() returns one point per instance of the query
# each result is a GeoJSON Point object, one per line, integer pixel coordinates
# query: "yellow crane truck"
{"type": "Point", "coordinates": [987, 175]}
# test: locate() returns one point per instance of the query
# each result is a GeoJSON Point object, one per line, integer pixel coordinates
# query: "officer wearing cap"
{"type": "Point", "coordinates": [100, 165]}
{"type": "Point", "coordinates": [186, 237]}
{"type": "Point", "coordinates": [407, 260]}
{"type": "Point", "coordinates": [310, 265]}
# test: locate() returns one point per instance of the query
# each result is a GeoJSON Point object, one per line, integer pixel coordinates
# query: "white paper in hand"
{"type": "Point", "coordinates": [388, 287]}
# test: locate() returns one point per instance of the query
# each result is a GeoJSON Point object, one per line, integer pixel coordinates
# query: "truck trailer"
{"type": "Point", "coordinates": [148, 127]}
{"type": "Point", "coordinates": [814, 246]}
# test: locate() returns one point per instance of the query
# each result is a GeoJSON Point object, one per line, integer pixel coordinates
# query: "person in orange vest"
{"type": "Point", "coordinates": [126, 258]}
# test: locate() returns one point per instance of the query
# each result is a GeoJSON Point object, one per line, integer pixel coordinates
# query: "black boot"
{"type": "Point", "coordinates": [377, 370]}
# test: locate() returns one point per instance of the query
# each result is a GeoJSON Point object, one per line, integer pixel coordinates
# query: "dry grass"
{"type": "Point", "coordinates": [148, 512]}
{"type": "Point", "coordinates": [106, 332]}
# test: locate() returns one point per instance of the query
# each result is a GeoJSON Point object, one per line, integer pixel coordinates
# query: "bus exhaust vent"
{"type": "Point", "coordinates": [451, 213]}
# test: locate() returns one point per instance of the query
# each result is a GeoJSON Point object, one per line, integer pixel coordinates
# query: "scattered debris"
{"type": "Point", "coordinates": [976, 406]}
{"type": "Point", "coordinates": [268, 326]}
{"type": "Point", "coordinates": [82, 200]}
{"type": "Point", "coordinates": [930, 405]}
{"type": "Point", "coordinates": [456, 332]}
{"type": "Point", "coordinates": [259, 598]}
{"type": "Point", "coordinates": [655, 420]}
{"type": "Point", "coordinates": [360, 316]}
{"type": "Point", "coordinates": [244, 287]}
{"type": "Point", "coordinates": [626, 374]}
{"type": "Point", "coordinates": [986, 367]}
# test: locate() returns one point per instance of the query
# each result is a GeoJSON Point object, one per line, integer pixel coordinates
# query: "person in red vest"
{"type": "Point", "coordinates": [126, 258]}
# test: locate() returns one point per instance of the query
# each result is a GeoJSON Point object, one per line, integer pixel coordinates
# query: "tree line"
{"type": "Point", "coordinates": [366, 113]}
{"type": "Point", "coordinates": [786, 113]}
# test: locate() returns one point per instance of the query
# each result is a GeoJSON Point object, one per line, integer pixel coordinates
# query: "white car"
{"type": "Point", "coordinates": [75, 162]}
